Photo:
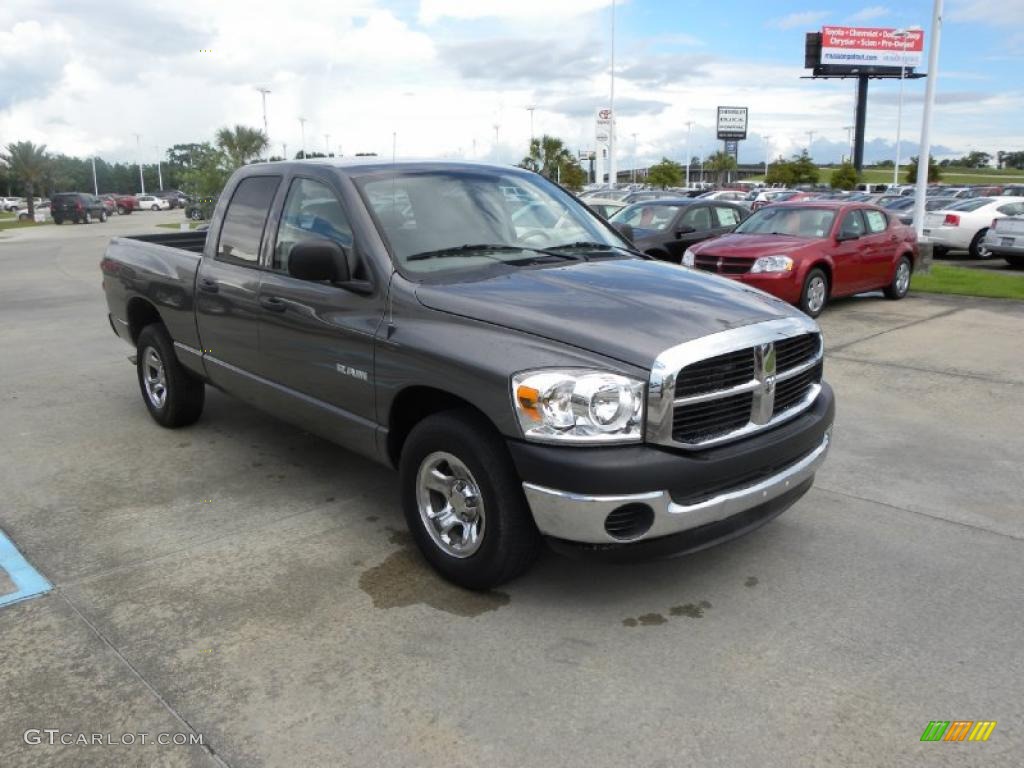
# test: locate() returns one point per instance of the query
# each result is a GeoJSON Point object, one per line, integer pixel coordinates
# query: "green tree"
{"type": "Point", "coordinates": [571, 175]}
{"type": "Point", "coordinates": [548, 155]}
{"type": "Point", "coordinates": [806, 171]}
{"type": "Point", "coordinates": [720, 164]}
{"type": "Point", "coordinates": [29, 164]}
{"type": "Point", "coordinates": [934, 174]}
{"type": "Point", "coordinates": [241, 144]}
{"type": "Point", "coordinates": [665, 174]}
{"type": "Point", "coordinates": [975, 160]}
{"type": "Point", "coordinates": [885, 164]}
{"type": "Point", "coordinates": [845, 177]}
{"type": "Point", "coordinates": [800, 170]}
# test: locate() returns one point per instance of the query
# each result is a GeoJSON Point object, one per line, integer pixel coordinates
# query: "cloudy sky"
{"type": "Point", "coordinates": [86, 77]}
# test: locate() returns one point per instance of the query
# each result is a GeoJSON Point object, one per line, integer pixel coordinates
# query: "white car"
{"type": "Point", "coordinates": [963, 224]}
{"type": "Point", "coordinates": [726, 195]}
{"type": "Point", "coordinates": [11, 203]}
{"type": "Point", "coordinates": [151, 203]}
{"type": "Point", "coordinates": [40, 210]}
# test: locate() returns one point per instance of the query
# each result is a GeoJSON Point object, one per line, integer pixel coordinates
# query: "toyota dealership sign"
{"type": "Point", "coordinates": [871, 47]}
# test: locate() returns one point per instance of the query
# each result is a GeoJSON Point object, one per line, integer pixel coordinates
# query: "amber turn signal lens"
{"type": "Point", "coordinates": [527, 398]}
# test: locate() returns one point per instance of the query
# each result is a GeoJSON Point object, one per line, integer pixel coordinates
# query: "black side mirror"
{"type": "Point", "coordinates": [318, 260]}
{"type": "Point", "coordinates": [626, 230]}
{"type": "Point", "coordinates": [684, 230]}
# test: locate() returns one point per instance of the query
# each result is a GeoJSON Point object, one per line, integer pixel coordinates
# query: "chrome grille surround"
{"type": "Point", "coordinates": [760, 339]}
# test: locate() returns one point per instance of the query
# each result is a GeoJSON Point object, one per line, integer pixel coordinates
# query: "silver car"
{"type": "Point", "coordinates": [1005, 237]}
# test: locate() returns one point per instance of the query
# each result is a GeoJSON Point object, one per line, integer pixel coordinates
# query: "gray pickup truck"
{"type": "Point", "coordinates": [529, 374]}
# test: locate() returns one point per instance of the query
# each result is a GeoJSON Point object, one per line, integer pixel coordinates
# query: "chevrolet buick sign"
{"type": "Point", "coordinates": [732, 122]}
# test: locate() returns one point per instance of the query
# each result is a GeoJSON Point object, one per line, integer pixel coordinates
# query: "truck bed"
{"type": "Point", "coordinates": [186, 241]}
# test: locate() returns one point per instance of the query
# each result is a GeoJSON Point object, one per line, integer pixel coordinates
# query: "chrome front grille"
{"type": "Point", "coordinates": [730, 384]}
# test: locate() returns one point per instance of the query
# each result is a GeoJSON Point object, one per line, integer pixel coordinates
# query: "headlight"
{"type": "Point", "coordinates": [578, 406]}
{"type": "Point", "coordinates": [688, 258]}
{"type": "Point", "coordinates": [773, 264]}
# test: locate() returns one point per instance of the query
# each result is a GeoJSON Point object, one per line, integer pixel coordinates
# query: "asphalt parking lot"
{"type": "Point", "coordinates": [251, 583]}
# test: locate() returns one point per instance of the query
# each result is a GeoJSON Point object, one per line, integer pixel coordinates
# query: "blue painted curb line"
{"type": "Point", "coordinates": [27, 580]}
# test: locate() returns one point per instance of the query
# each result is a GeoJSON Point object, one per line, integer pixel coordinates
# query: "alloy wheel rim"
{"type": "Point", "coordinates": [902, 277]}
{"type": "Point", "coordinates": [451, 504]}
{"type": "Point", "coordinates": [154, 378]}
{"type": "Point", "coordinates": [816, 294]}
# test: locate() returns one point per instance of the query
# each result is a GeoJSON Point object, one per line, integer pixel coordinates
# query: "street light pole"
{"type": "Point", "coordinates": [634, 158]}
{"type": "Point", "coordinates": [926, 121]}
{"type": "Point", "coordinates": [689, 128]}
{"type": "Point", "coordinates": [613, 169]}
{"type": "Point", "coordinates": [95, 186]}
{"type": "Point", "coordinates": [138, 146]}
{"type": "Point", "coordinates": [810, 140]}
{"type": "Point", "coordinates": [327, 144]}
{"type": "Point", "coordinates": [302, 127]}
{"type": "Point", "coordinates": [266, 131]}
{"type": "Point", "coordinates": [849, 139]}
{"type": "Point", "coordinates": [902, 34]}
{"type": "Point", "coordinates": [530, 109]}
{"type": "Point", "coordinates": [767, 155]}
{"type": "Point", "coordinates": [159, 172]}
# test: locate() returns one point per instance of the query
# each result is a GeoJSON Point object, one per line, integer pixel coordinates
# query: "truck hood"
{"type": "Point", "coordinates": [627, 309]}
{"type": "Point", "coordinates": [753, 245]}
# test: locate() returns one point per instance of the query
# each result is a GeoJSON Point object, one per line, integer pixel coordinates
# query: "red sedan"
{"type": "Point", "coordinates": [808, 252]}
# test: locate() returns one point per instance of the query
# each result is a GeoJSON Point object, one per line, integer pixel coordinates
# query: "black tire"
{"type": "Point", "coordinates": [103, 216]}
{"type": "Point", "coordinates": [156, 207]}
{"type": "Point", "coordinates": [196, 215]}
{"type": "Point", "coordinates": [509, 540]}
{"type": "Point", "coordinates": [939, 251]}
{"type": "Point", "coordinates": [183, 393]}
{"type": "Point", "coordinates": [1015, 262]}
{"type": "Point", "coordinates": [976, 250]}
{"type": "Point", "coordinates": [898, 287]}
{"type": "Point", "coordinates": [121, 210]}
{"type": "Point", "coordinates": [809, 299]}
{"type": "Point", "coordinates": [87, 218]}
{"type": "Point", "coordinates": [58, 220]}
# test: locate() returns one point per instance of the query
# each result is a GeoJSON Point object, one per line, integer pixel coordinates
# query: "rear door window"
{"type": "Point", "coordinates": [727, 217]}
{"type": "Point", "coordinates": [245, 219]}
{"type": "Point", "coordinates": [876, 221]}
{"type": "Point", "coordinates": [699, 218]}
{"type": "Point", "coordinates": [853, 225]}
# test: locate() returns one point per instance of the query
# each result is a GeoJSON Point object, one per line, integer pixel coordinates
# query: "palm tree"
{"type": "Point", "coordinates": [241, 144]}
{"type": "Point", "coordinates": [548, 156]}
{"type": "Point", "coordinates": [720, 163]}
{"type": "Point", "coordinates": [29, 164]}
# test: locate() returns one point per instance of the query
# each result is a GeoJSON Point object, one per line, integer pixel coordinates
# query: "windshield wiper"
{"type": "Point", "coordinates": [594, 246]}
{"type": "Point", "coordinates": [462, 250]}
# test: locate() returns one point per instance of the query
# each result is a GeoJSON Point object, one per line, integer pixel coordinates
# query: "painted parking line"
{"type": "Point", "coordinates": [28, 582]}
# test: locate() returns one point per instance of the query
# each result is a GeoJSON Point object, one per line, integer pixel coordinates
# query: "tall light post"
{"type": "Point", "coordinates": [530, 108]}
{"type": "Point", "coordinates": [138, 146]}
{"type": "Point", "coordinates": [849, 138]}
{"type": "Point", "coordinates": [902, 35]}
{"type": "Point", "coordinates": [159, 172]}
{"type": "Point", "coordinates": [702, 166]}
{"type": "Point", "coordinates": [284, 149]}
{"type": "Point", "coordinates": [266, 130]}
{"type": "Point", "coordinates": [613, 168]}
{"type": "Point", "coordinates": [767, 155]}
{"type": "Point", "coordinates": [926, 120]}
{"type": "Point", "coordinates": [810, 141]}
{"type": "Point", "coordinates": [689, 128]}
{"type": "Point", "coordinates": [95, 186]}
{"type": "Point", "coordinates": [327, 144]}
{"type": "Point", "coordinates": [634, 158]}
{"type": "Point", "coordinates": [302, 127]}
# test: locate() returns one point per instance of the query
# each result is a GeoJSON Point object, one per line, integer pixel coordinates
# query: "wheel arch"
{"type": "Point", "coordinates": [412, 405]}
{"type": "Point", "coordinates": [140, 313]}
{"type": "Point", "coordinates": [825, 267]}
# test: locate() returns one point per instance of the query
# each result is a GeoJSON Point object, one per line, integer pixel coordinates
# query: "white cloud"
{"type": "Point", "coordinates": [870, 13]}
{"type": "Point", "coordinates": [544, 11]}
{"type": "Point", "coordinates": [809, 19]}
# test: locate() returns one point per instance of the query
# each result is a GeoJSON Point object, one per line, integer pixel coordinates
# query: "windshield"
{"type": "Point", "coordinates": [794, 222]}
{"type": "Point", "coordinates": [467, 219]}
{"type": "Point", "coordinates": [971, 204]}
{"type": "Point", "coordinates": [647, 216]}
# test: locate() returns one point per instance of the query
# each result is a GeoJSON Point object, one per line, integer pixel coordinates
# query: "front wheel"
{"type": "Point", "coordinates": [815, 293]}
{"type": "Point", "coordinates": [156, 207]}
{"type": "Point", "coordinates": [900, 284]}
{"type": "Point", "coordinates": [196, 215]}
{"type": "Point", "coordinates": [978, 249]}
{"type": "Point", "coordinates": [58, 220]}
{"type": "Point", "coordinates": [463, 501]}
{"type": "Point", "coordinates": [173, 396]}
{"type": "Point", "coordinates": [103, 216]}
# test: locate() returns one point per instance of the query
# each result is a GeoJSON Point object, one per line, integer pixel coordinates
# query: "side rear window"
{"type": "Point", "coordinates": [727, 217]}
{"type": "Point", "coordinates": [245, 219]}
{"type": "Point", "coordinates": [876, 221]}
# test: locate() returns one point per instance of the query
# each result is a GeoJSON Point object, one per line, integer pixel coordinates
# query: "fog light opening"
{"type": "Point", "coordinates": [630, 521]}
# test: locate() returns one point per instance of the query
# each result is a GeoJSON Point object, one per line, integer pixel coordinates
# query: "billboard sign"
{"type": "Point", "coordinates": [871, 47]}
{"type": "Point", "coordinates": [732, 123]}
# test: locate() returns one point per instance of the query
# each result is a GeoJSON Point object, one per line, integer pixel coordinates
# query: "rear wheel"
{"type": "Point", "coordinates": [173, 396]}
{"type": "Point", "coordinates": [900, 284]}
{"type": "Point", "coordinates": [103, 215]}
{"type": "Point", "coordinates": [978, 249]}
{"type": "Point", "coordinates": [815, 293]}
{"type": "Point", "coordinates": [22, 217]}
{"type": "Point", "coordinates": [463, 501]}
{"type": "Point", "coordinates": [156, 207]}
{"type": "Point", "coordinates": [58, 220]}
{"type": "Point", "coordinates": [196, 215]}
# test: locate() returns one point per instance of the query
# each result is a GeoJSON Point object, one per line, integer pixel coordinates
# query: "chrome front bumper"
{"type": "Point", "coordinates": [580, 518]}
